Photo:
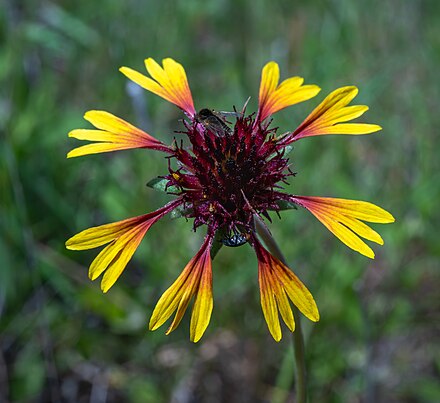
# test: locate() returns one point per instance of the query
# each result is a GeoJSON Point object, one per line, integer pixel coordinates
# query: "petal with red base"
{"type": "Point", "coordinates": [329, 117]}
{"type": "Point", "coordinates": [195, 280]}
{"type": "Point", "coordinates": [278, 284]}
{"type": "Point", "coordinates": [343, 218]}
{"type": "Point", "coordinates": [168, 82]}
{"type": "Point", "coordinates": [123, 237]}
{"type": "Point", "coordinates": [273, 97]}
{"type": "Point", "coordinates": [113, 134]}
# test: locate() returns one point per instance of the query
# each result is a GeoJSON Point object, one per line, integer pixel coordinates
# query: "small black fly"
{"type": "Point", "coordinates": [215, 121]}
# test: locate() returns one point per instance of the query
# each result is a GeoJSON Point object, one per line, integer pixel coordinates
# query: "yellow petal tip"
{"type": "Point", "coordinates": [312, 313]}
{"type": "Point", "coordinates": [370, 255]}
{"type": "Point", "coordinates": [104, 289]}
{"type": "Point", "coordinates": [169, 331]}
{"type": "Point", "coordinates": [316, 317]}
{"type": "Point", "coordinates": [69, 244]}
{"type": "Point", "coordinates": [352, 88]}
{"type": "Point", "coordinates": [196, 339]}
{"type": "Point", "coordinates": [153, 325]}
{"type": "Point", "coordinates": [90, 115]}
{"type": "Point", "coordinates": [315, 88]}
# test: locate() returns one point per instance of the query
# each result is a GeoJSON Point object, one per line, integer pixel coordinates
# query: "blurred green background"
{"type": "Point", "coordinates": [62, 340]}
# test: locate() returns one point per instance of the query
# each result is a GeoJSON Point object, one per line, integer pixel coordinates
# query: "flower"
{"type": "Point", "coordinates": [225, 179]}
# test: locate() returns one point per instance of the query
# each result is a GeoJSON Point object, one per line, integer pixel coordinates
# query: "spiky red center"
{"type": "Point", "coordinates": [228, 176]}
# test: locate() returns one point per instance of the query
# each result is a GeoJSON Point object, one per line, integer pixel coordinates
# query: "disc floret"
{"type": "Point", "coordinates": [226, 179]}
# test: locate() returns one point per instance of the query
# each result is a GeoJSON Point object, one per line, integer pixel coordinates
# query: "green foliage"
{"type": "Point", "coordinates": [63, 340]}
{"type": "Point", "coordinates": [160, 184]}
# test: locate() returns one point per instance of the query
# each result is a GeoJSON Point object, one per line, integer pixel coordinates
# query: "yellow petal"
{"type": "Point", "coordinates": [336, 100]}
{"type": "Point", "coordinates": [145, 82]}
{"type": "Point", "coordinates": [115, 134]}
{"type": "Point", "coordinates": [277, 283]}
{"type": "Point", "coordinates": [341, 217]}
{"type": "Point", "coordinates": [345, 235]}
{"type": "Point", "coordinates": [284, 305]}
{"type": "Point", "coordinates": [177, 75]}
{"type": "Point", "coordinates": [93, 135]}
{"type": "Point", "coordinates": [97, 148]}
{"type": "Point", "coordinates": [169, 301]}
{"type": "Point", "coordinates": [345, 114]}
{"type": "Point", "coordinates": [329, 117]}
{"type": "Point", "coordinates": [106, 121]}
{"type": "Point", "coordinates": [203, 305]}
{"type": "Point", "coordinates": [270, 76]}
{"type": "Point", "coordinates": [104, 258]}
{"type": "Point", "coordinates": [289, 85]}
{"type": "Point", "coordinates": [268, 303]}
{"type": "Point", "coordinates": [361, 229]}
{"type": "Point", "coordinates": [195, 279]}
{"type": "Point", "coordinates": [124, 238]}
{"type": "Point", "coordinates": [354, 224]}
{"type": "Point", "coordinates": [273, 98]}
{"type": "Point", "coordinates": [119, 263]}
{"type": "Point", "coordinates": [169, 82]}
{"type": "Point", "coordinates": [359, 209]}
{"type": "Point", "coordinates": [158, 73]}
{"type": "Point", "coordinates": [183, 305]}
{"type": "Point", "coordinates": [349, 128]}
{"type": "Point", "coordinates": [98, 236]}
{"type": "Point", "coordinates": [296, 290]}
{"type": "Point", "coordinates": [113, 252]}
{"type": "Point", "coordinates": [190, 287]}
{"type": "Point", "coordinates": [281, 99]}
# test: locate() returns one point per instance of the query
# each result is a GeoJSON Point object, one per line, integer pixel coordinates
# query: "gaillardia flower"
{"type": "Point", "coordinates": [225, 178]}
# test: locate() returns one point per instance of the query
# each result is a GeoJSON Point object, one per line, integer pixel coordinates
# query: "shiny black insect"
{"type": "Point", "coordinates": [235, 240]}
{"type": "Point", "coordinates": [214, 121]}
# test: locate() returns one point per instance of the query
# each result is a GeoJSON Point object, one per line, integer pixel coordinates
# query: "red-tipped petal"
{"type": "Point", "coordinates": [278, 284]}
{"type": "Point", "coordinates": [124, 238]}
{"type": "Point", "coordinates": [330, 115]}
{"type": "Point", "coordinates": [169, 82]}
{"type": "Point", "coordinates": [114, 134]}
{"type": "Point", "coordinates": [342, 218]}
{"type": "Point", "coordinates": [195, 280]}
{"type": "Point", "coordinates": [273, 97]}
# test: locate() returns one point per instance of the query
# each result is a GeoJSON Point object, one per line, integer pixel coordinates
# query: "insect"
{"type": "Point", "coordinates": [235, 240]}
{"type": "Point", "coordinates": [215, 121]}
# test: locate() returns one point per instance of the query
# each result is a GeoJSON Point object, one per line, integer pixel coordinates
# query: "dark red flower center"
{"type": "Point", "coordinates": [228, 174]}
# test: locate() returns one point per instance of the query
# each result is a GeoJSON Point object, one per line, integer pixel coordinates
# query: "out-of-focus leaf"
{"type": "Point", "coordinates": [216, 244]}
{"type": "Point", "coordinates": [286, 205]}
{"type": "Point", "coordinates": [180, 212]}
{"type": "Point", "coordinates": [160, 184]}
{"type": "Point", "coordinates": [28, 374]}
{"type": "Point", "coordinates": [69, 25]}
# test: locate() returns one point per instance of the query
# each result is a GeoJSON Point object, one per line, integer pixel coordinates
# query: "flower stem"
{"type": "Point", "coordinates": [298, 339]}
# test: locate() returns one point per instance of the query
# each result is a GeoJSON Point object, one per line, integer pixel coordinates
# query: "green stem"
{"type": "Point", "coordinates": [298, 339]}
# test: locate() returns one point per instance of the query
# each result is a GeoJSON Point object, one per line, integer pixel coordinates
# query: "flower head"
{"type": "Point", "coordinates": [226, 176]}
